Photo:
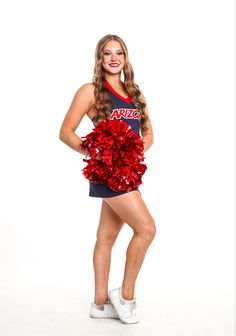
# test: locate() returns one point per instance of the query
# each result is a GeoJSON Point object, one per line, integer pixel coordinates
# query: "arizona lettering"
{"type": "Point", "coordinates": [125, 113]}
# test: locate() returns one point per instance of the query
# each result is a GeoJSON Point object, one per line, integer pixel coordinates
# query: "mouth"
{"type": "Point", "coordinates": [114, 65]}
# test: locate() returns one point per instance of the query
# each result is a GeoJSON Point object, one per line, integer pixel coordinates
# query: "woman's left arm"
{"type": "Point", "coordinates": [148, 136]}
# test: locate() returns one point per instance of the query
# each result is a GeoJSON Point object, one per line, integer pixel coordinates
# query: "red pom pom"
{"type": "Point", "coordinates": [121, 152]}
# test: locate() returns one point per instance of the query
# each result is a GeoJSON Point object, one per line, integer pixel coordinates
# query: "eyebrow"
{"type": "Point", "coordinates": [110, 50]}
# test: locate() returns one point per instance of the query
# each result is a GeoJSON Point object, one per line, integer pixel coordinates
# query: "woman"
{"type": "Point", "coordinates": [107, 97]}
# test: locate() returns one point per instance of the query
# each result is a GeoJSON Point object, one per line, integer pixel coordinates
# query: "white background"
{"type": "Point", "coordinates": [183, 57]}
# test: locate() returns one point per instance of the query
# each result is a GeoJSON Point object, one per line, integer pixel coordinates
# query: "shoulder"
{"type": "Point", "coordinates": [86, 93]}
{"type": "Point", "coordinates": [141, 93]}
{"type": "Point", "coordinates": [142, 96]}
{"type": "Point", "coordinates": [87, 88]}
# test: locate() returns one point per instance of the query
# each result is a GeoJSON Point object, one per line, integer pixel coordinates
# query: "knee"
{"type": "Point", "coordinates": [149, 229]}
{"type": "Point", "coordinates": [106, 240]}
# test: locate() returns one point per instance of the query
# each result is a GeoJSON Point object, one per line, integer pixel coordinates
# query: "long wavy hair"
{"type": "Point", "coordinates": [102, 105]}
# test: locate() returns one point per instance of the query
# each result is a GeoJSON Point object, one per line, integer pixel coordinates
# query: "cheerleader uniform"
{"type": "Point", "coordinates": [122, 109]}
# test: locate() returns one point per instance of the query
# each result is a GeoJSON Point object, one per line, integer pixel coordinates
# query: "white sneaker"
{"type": "Point", "coordinates": [126, 309]}
{"type": "Point", "coordinates": [105, 310]}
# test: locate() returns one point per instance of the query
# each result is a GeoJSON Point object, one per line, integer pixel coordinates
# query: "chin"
{"type": "Point", "coordinates": [113, 71]}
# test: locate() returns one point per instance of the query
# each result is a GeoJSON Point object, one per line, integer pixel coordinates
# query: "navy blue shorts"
{"type": "Point", "coordinates": [102, 190]}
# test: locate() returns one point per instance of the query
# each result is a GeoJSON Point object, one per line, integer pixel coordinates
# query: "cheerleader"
{"type": "Point", "coordinates": [108, 98]}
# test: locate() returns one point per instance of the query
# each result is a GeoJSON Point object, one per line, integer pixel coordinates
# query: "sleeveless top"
{"type": "Point", "coordinates": [121, 109]}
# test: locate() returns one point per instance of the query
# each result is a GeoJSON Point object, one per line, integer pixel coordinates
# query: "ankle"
{"type": "Point", "coordinates": [100, 301]}
{"type": "Point", "coordinates": [127, 293]}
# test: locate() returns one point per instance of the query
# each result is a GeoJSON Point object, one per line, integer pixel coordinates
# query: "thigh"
{"type": "Point", "coordinates": [110, 223]}
{"type": "Point", "coordinates": [131, 208]}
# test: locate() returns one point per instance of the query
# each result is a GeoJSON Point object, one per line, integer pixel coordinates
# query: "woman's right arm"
{"type": "Point", "coordinates": [80, 105]}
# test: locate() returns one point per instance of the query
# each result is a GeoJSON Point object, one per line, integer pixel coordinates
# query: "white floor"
{"type": "Point", "coordinates": [49, 312]}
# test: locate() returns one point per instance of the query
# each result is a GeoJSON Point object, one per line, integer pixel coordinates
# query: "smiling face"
{"type": "Point", "coordinates": [113, 58]}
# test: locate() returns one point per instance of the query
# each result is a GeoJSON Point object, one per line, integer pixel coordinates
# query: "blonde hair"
{"type": "Point", "coordinates": [102, 103]}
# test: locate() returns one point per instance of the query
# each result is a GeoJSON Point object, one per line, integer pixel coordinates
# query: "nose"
{"type": "Point", "coordinates": [113, 57]}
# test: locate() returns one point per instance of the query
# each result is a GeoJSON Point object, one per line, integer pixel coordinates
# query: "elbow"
{"type": "Point", "coordinates": [151, 143]}
{"type": "Point", "coordinates": [62, 135]}
{"type": "Point", "coordinates": [148, 137]}
{"type": "Point", "coordinates": [152, 139]}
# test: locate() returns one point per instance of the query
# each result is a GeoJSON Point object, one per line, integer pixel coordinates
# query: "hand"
{"type": "Point", "coordinates": [86, 152]}
{"type": "Point", "coordinates": [97, 157]}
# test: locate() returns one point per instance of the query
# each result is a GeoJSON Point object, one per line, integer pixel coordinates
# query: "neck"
{"type": "Point", "coordinates": [113, 79]}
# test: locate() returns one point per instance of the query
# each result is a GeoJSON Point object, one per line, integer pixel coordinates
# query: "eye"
{"type": "Point", "coordinates": [120, 53]}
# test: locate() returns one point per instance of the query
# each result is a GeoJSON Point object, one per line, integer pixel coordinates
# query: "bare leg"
{"type": "Point", "coordinates": [131, 209]}
{"type": "Point", "coordinates": [109, 227]}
